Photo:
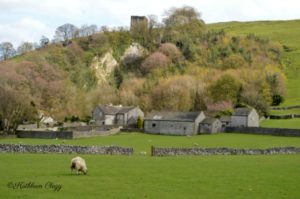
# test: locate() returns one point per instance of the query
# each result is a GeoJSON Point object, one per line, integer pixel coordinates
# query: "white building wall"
{"type": "Point", "coordinates": [109, 119]}
{"type": "Point", "coordinates": [239, 120]}
{"type": "Point", "coordinates": [199, 119]}
{"type": "Point", "coordinates": [253, 119]}
{"type": "Point", "coordinates": [169, 127]}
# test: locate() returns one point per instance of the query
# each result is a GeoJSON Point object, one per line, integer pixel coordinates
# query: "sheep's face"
{"type": "Point", "coordinates": [73, 165]}
{"type": "Point", "coordinates": [85, 171]}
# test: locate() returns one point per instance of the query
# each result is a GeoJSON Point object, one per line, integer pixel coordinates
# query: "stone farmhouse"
{"type": "Point", "coordinates": [47, 121]}
{"type": "Point", "coordinates": [116, 115]}
{"type": "Point", "coordinates": [245, 117]}
{"type": "Point", "coordinates": [210, 126]}
{"type": "Point", "coordinates": [173, 123]}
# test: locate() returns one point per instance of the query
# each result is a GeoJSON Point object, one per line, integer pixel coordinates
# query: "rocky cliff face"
{"type": "Point", "coordinates": [104, 67]}
{"type": "Point", "coordinates": [134, 52]}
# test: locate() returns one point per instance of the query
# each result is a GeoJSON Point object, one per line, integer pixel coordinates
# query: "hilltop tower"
{"type": "Point", "coordinates": [138, 23]}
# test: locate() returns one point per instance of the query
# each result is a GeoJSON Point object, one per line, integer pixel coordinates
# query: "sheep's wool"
{"type": "Point", "coordinates": [79, 165]}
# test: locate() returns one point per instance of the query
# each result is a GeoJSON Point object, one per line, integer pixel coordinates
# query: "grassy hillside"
{"type": "Point", "coordinates": [285, 32]}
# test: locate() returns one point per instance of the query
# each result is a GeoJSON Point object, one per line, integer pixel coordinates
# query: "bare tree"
{"type": "Point", "coordinates": [14, 110]}
{"type": "Point", "coordinates": [87, 30]}
{"type": "Point", "coordinates": [7, 50]}
{"type": "Point", "coordinates": [185, 14]}
{"type": "Point", "coordinates": [25, 47]}
{"type": "Point", "coordinates": [93, 29]}
{"type": "Point", "coordinates": [104, 29]}
{"type": "Point", "coordinates": [44, 41]}
{"type": "Point", "coordinates": [152, 21]}
{"type": "Point", "coordinates": [83, 30]}
{"type": "Point", "coordinates": [66, 32]}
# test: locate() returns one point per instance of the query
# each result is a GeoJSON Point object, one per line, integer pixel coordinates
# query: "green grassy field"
{"type": "Point", "coordinates": [143, 142]}
{"type": "Point", "coordinates": [288, 123]}
{"type": "Point", "coordinates": [216, 177]}
{"type": "Point", "coordinates": [138, 176]}
{"type": "Point", "coordinates": [285, 112]}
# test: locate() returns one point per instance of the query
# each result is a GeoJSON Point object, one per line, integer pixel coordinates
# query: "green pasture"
{"type": "Point", "coordinates": [139, 176]}
{"type": "Point", "coordinates": [216, 177]}
{"type": "Point", "coordinates": [285, 32]}
{"type": "Point", "coordinates": [143, 142]}
{"type": "Point", "coordinates": [283, 123]}
{"type": "Point", "coordinates": [285, 112]}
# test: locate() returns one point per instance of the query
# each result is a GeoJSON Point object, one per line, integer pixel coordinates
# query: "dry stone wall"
{"type": "Point", "coordinates": [45, 134]}
{"type": "Point", "coordinates": [65, 149]}
{"type": "Point", "coordinates": [156, 151]}
{"type": "Point", "coordinates": [264, 131]}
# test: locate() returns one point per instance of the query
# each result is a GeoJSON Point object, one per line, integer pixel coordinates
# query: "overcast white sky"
{"type": "Point", "coordinates": [28, 20]}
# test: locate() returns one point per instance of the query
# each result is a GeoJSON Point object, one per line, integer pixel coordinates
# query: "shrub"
{"type": "Point", "coordinates": [234, 61]}
{"type": "Point", "coordinates": [277, 99]}
{"type": "Point", "coordinates": [225, 89]}
{"type": "Point", "coordinates": [171, 51]}
{"type": "Point", "coordinates": [86, 119]}
{"type": "Point", "coordinates": [156, 60]}
{"type": "Point", "coordinates": [72, 118]}
{"type": "Point", "coordinates": [174, 94]}
{"type": "Point", "coordinates": [140, 122]}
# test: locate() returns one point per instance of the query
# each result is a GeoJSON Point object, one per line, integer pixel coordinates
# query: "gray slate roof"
{"type": "Point", "coordinates": [112, 110]}
{"type": "Point", "coordinates": [184, 116]}
{"type": "Point", "coordinates": [208, 121]}
{"type": "Point", "coordinates": [242, 111]}
{"type": "Point", "coordinates": [126, 109]}
{"type": "Point", "coordinates": [225, 119]}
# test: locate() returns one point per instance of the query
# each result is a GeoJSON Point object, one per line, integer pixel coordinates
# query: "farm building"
{"type": "Point", "coordinates": [210, 125]}
{"type": "Point", "coordinates": [116, 115]}
{"type": "Point", "coordinates": [173, 123]}
{"type": "Point", "coordinates": [47, 121]}
{"type": "Point", "coordinates": [245, 117]}
{"type": "Point", "coordinates": [226, 121]}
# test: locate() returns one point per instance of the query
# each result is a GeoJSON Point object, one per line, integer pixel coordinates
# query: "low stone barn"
{"type": "Point", "coordinates": [245, 117]}
{"type": "Point", "coordinates": [226, 121]}
{"type": "Point", "coordinates": [173, 123]}
{"type": "Point", "coordinates": [116, 115]}
{"type": "Point", "coordinates": [210, 125]}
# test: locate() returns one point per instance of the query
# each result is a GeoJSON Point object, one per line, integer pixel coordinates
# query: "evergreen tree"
{"type": "Point", "coordinates": [140, 122]}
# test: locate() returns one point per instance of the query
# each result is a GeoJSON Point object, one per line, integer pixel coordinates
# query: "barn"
{"type": "Point", "coordinates": [210, 126]}
{"type": "Point", "coordinates": [173, 123]}
{"type": "Point", "coordinates": [116, 115]}
{"type": "Point", "coordinates": [245, 117]}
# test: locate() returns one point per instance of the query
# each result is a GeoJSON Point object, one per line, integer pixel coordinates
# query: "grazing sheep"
{"type": "Point", "coordinates": [78, 164]}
